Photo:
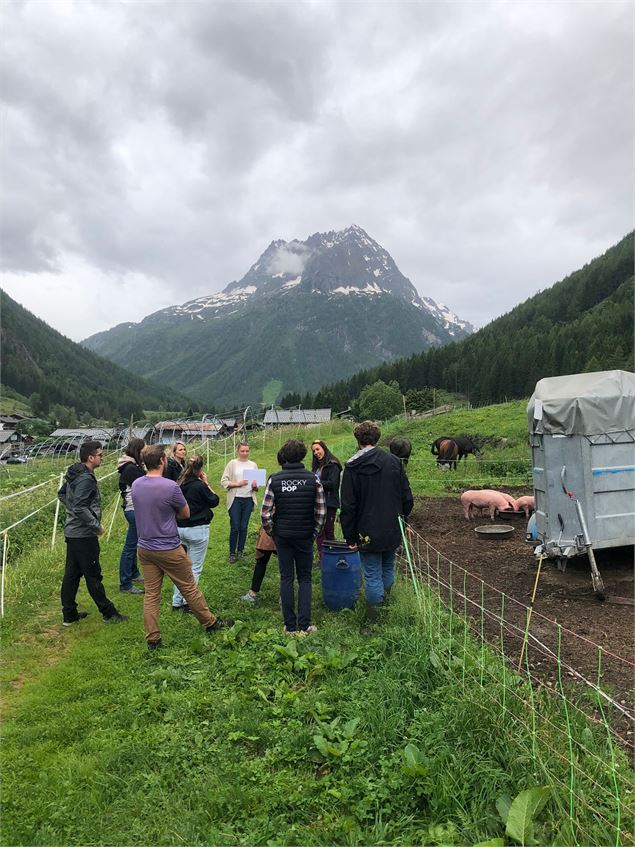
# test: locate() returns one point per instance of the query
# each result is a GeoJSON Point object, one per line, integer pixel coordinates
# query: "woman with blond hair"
{"type": "Point", "coordinates": [241, 499]}
{"type": "Point", "coordinates": [194, 531]}
{"type": "Point", "coordinates": [176, 462]}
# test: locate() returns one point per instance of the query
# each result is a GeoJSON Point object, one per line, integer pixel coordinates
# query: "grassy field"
{"type": "Point", "coordinates": [501, 430]}
{"type": "Point", "coordinates": [251, 738]}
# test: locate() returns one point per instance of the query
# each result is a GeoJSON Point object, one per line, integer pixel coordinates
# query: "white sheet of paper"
{"type": "Point", "coordinates": [537, 409]}
{"type": "Point", "coordinates": [259, 475]}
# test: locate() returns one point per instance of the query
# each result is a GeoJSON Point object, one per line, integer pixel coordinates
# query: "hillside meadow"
{"type": "Point", "coordinates": [248, 737]}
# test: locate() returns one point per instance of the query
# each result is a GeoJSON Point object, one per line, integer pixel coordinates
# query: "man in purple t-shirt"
{"type": "Point", "coordinates": [158, 502]}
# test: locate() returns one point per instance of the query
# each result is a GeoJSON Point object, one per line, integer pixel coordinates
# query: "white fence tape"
{"type": "Point", "coordinates": [28, 490]}
{"type": "Point", "coordinates": [45, 506]}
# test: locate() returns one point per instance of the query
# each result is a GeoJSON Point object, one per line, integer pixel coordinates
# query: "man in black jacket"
{"type": "Point", "coordinates": [79, 495]}
{"type": "Point", "coordinates": [375, 493]}
{"type": "Point", "coordinates": [293, 511]}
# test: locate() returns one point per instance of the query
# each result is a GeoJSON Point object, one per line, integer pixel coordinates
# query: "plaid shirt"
{"type": "Point", "coordinates": [268, 507]}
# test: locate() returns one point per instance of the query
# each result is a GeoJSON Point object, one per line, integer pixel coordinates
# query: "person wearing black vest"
{"type": "Point", "coordinates": [293, 512]}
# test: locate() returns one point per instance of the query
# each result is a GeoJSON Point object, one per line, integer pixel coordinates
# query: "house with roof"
{"type": "Point", "coordinates": [11, 443]}
{"type": "Point", "coordinates": [166, 432]}
{"type": "Point", "coordinates": [10, 421]}
{"type": "Point", "coordinates": [282, 417]}
{"type": "Point", "coordinates": [86, 433]}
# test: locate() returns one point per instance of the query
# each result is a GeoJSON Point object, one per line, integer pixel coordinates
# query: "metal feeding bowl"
{"type": "Point", "coordinates": [494, 531]}
{"type": "Point", "coordinates": [510, 515]}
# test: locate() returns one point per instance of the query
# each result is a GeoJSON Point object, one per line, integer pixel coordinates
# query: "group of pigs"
{"type": "Point", "coordinates": [450, 450]}
{"type": "Point", "coordinates": [494, 501]}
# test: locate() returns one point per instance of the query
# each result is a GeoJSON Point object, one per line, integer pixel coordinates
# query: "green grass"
{"type": "Point", "coordinates": [271, 391]}
{"type": "Point", "coordinates": [251, 738]}
{"type": "Point", "coordinates": [12, 402]}
{"type": "Point", "coordinates": [505, 459]}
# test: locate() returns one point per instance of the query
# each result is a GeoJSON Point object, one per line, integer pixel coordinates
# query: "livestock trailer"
{"type": "Point", "coordinates": [582, 438]}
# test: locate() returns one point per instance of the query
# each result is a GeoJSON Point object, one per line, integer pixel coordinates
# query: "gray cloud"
{"type": "Point", "coordinates": [153, 150]}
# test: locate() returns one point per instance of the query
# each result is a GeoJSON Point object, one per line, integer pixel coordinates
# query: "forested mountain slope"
{"type": "Point", "coordinates": [582, 323]}
{"type": "Point", "coordinates": [36, 359]}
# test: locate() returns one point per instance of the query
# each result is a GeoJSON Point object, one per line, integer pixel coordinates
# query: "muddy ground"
{"type": "Point", "coordinates": [565, 598]}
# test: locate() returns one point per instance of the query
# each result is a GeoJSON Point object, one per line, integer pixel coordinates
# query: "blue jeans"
{"type": "Point", "coordinates": [128, 568]}
{"type": "Point", "coordinates": [239, 515]}
{"type": "Point", "coordinates": [379, 573]}
{"type": "Point", "coordinates": [195, 540]}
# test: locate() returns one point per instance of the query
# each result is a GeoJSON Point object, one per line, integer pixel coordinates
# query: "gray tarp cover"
{"type": "Point", "coordinates": [583, 404]}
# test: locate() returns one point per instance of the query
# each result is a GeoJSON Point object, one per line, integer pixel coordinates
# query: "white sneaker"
{"type": "Point", "coordinates": [248, 598]}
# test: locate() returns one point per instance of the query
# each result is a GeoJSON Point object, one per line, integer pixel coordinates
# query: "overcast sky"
{"type": "Point", "coordinates": [151, 151]}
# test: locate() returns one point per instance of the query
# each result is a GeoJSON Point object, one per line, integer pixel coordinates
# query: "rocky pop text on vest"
{"type": "Point", "coordinates": [292, 484]}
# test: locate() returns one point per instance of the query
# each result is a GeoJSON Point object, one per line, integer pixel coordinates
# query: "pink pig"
{"type": "Point", "coordinates": [485, 499]}
{"type": "Point", "coordinates": [510, 500]}
{"type": "Point", "coordinates": [527, 504]}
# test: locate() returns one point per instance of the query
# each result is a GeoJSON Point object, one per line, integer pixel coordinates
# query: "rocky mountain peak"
{"type": "Point", "coordinates": [339, 263]}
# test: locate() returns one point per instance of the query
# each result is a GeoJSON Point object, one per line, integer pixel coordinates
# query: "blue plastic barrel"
{"type": "Point", "coordinates": [341, 575]}
{"type": "Point", "coordinates": [531, 529]}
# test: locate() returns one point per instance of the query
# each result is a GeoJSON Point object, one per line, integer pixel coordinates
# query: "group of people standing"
{"type": "Point", "coordinates": [168, 505]}
{"type": "Point", "coordinates": [167, 535]}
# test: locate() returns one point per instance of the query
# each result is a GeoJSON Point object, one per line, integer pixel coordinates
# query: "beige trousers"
{"type": "Point", "coordinates": [176, 565]}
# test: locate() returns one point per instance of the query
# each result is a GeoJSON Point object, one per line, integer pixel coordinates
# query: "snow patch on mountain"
{"type": "Point", "coordinates": [292, 283]}
{"type": "Point", "coordinates": [214, 301]}
{"type": "Point", "coordinates": [370, 288]}
{"type": "Point", "coordinates": [447, 317]}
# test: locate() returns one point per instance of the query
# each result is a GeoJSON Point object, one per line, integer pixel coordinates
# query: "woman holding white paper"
{"type": "Point", "coordinates": [241, 499]}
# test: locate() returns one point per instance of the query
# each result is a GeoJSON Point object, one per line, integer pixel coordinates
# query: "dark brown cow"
{"type": "Point", "coordinates": [435, 444]}
{"type": "Point", "coordinates": [465, 445]}
{"type": "Point", "coordinates": [448, 453]}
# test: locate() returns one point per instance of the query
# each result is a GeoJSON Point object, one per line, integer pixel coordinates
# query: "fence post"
{"type": "Point", "coordinates": [569, 736]}
{"type": "Point", "coordinates": [502, 643]}
{"type": "Point", "coordinates": [5, 544]}
{"type": "Point", "coordinates": [57, 513]}
{"type": "Point", "coordinates": [612, 752]}
{"type": "Point", "coordinates": [482, 660]}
